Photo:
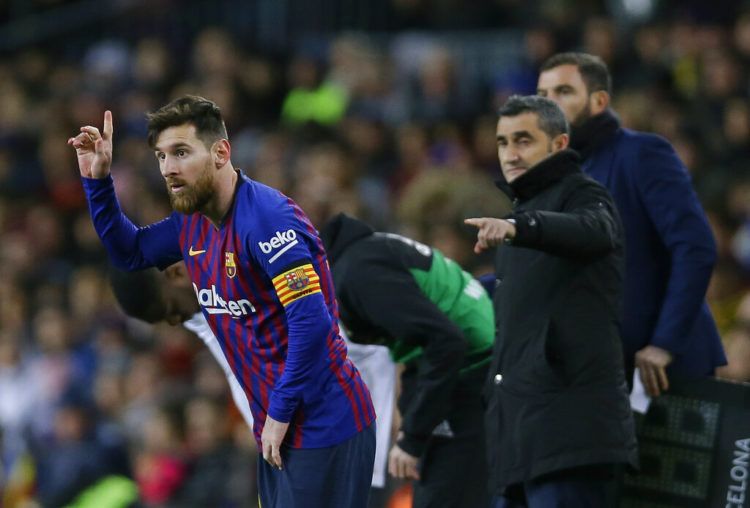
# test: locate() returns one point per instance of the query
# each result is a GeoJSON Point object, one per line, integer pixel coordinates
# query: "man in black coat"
{"type": "Point", "coordinates": [437, 321]}
{"type": "Point", "coordinates": [558, 421]}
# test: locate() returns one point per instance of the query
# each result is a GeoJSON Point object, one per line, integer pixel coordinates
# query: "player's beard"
{"type": "Point", "coordinates": [193, 197]}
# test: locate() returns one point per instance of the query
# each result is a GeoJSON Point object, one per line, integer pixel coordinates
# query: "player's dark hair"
{"type": "Point", "coordinates": [202, 113]}
{"type": "Point", "coordinates": [551, 118]}
{"type": "Point", "coordinates": [139, 294]}
{"type": "Point", "coordinates": [594, 71]}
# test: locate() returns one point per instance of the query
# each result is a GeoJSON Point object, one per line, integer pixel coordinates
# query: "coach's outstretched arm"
{"type": "Point", "coordinates": [129, 247]}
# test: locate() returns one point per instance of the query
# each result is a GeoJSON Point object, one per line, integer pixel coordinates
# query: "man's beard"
{"type": "Point", "coordinates": [583, 116]}
{"type": "Point", "coordinates": [192, 198]}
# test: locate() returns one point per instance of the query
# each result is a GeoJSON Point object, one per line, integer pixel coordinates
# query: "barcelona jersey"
{"type": "Point", "coordinates": [264, 285]}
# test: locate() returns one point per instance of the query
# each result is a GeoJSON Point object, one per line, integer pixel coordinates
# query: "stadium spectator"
{"type": "Point", "coordinates": [81, 455]}
{"type": "Point", "coordinates": [737, 344]}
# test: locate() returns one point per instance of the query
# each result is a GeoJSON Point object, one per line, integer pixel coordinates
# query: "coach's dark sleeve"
{"type": "Point", "coordinates": [588, 226]}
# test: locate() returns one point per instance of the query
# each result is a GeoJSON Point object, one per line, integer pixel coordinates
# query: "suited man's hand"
{"type": "Point", "coordinates": [652, 363]}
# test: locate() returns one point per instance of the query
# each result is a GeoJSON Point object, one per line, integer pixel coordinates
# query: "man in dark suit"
{"type": "Point", "coordinates": [670, 251]}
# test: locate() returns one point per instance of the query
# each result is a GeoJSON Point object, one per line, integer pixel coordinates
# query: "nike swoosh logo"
{"type": "Point", "coordinates": [195, 252]}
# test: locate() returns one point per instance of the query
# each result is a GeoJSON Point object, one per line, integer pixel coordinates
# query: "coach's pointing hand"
{"type": "Point", "coordinates": [491, 232]}
{"type": "Point", "coordinates": [94, 149]}
{"type": "Point", "coordinates": [271, 439]}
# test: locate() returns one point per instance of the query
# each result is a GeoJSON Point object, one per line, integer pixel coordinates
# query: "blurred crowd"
{"type": "Point", "coordinates": [390, 128]}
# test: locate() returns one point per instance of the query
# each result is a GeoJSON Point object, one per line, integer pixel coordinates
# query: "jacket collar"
{"type": "Point", "coordinates": [340, 232]}
{"type": "Point", "coordinates": [546, 173]}
{"type": "Point", "coordinates": [585, 138]}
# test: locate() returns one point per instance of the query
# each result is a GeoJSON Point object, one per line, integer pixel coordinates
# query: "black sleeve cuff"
{"type": "Point", "coordinates": [527, 229]}
{"type": "Point", "coordinates": [413, 445]}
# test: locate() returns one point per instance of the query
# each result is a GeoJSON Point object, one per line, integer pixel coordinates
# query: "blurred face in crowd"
{"type": "Point", "coordinates": [565, 85]}
{"type": "Point", "coordinates": [187, 166]}
{"type": "Point", "coordinates": [180, 302]}
{"type": "Point", "coordinates": [521, 144]}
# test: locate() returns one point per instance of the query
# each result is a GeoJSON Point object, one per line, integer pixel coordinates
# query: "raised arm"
{"type": "Point", "coordinates": [130, 247]}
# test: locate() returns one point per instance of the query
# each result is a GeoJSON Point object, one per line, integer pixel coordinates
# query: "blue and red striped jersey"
{"type": "Point", "coordinates": [265, 288]}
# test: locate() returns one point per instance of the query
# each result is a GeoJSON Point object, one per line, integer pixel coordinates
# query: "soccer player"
{"type": "Point", "coordinates": [261, 277]}
{"type": "Point", "coordinates": [152, 298]}
{"type": "Point", "coordinates": [171, 298]}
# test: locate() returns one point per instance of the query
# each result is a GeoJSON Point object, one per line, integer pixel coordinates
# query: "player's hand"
{"type": "Point", "coordinates": [271, 439]}
{"type": "Point", "coordinates": [652, 363]}
{"type": "Point", "coordinates": [402, 465]}
{"type": "Point", "coordinates": [491, 232]}
{"type": "Point", "coordinates": [94, 149]}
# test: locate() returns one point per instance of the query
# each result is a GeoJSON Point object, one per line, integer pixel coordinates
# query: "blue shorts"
{"type": "Point", "coordinates": [334, 477]}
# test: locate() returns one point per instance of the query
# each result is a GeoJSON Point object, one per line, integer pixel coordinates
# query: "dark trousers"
{"type": "Point", "coordinates": [453, 474]}
{"type": "Point", "coordinates": [585, 487]}
{"type": "Point", "coordinates": [453, 470]}
{"type": "Point", "coordinates": [334, 477]}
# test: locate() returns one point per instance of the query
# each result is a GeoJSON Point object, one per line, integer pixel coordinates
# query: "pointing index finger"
{"type": "Point", "coordinates": [473, 222]}
{"type": "Point", "coordinates": [107, 134]}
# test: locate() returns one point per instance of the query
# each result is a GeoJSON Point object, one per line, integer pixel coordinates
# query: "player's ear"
{"type": "Point", "coordinates": [176, 271]}
{"type": "Point", "coordinates": [180, 270]}
{"type": "Point", "coordinates": [221, 152]}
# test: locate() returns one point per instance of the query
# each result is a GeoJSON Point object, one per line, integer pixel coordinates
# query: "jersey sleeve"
{"type": "Point", "coordinates": [283, 245]}
{"type": "Point", "coordinates": [280, 239]}
{"type": "Point", "coordinates": [130, 247]}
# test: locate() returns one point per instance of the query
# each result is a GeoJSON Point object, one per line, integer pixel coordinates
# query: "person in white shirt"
{"type": "Point", "coordinates": [171, 298]}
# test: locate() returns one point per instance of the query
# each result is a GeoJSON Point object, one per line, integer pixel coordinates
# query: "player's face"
{"type": "Point", "coordinates": [521, 144]}
{"type": "Point", "coordinates": [564, 85]}
{"type": "Point", "coordinates": [187, 167]}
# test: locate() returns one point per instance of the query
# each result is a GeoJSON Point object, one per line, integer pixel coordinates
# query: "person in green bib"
{"type": "Point", "coordinates": [438, 321]}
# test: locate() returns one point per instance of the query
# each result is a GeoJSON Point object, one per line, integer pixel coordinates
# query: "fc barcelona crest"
{"type": "Point", "coordinates": [297, 279]}
{"type": "Point", "coordinates": [230, 265]}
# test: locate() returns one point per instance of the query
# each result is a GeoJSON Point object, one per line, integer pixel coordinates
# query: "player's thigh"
{"type": "Point", "coordinates": [329, 477]}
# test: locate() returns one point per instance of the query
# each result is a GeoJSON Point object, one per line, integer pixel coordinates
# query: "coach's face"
{"type": "Point", "coordinates": [522, 144]}
{"type": "Point", "coordinates": [186, 164]}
